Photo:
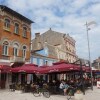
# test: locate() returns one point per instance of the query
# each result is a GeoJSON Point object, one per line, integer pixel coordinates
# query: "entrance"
{"type": "Point", "coordinates": [3, 80]}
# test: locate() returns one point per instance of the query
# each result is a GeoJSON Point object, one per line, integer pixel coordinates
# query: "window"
{"type": "Point", "coordinates": [24, 51]}
{"type": "Point", "coordinates": [39, 44]}
{"type": "Point", "coordinates": [16, 28]}
{"type": "Point", "coordinates": [46, 62]}
{"type": "Point", "coordinates": [35, 61]}
{"type": "Point", "coordinates": [7, 23]}
{"type": "Point", "coordinates": [24, 32]}
{"type": "Point", "coordinates": [50, 63]}
{"type": "Point", "coordinates": [15, 49]}
{"type": "Point", "coordinates": [40, 62]}
{"type": "Point", "coordinates": [5, 48]}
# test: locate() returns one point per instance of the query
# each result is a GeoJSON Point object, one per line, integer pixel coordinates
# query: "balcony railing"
{"type": "Point", "coordinates": [17, 59]}
{"type": "Point", "coordinates": [5, 57]}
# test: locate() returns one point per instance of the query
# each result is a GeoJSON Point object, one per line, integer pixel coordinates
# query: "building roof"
{"type": "Point", "coordinates": [97, 60]}
{"type": "Point", "coordinates": [50, 35]}
{"type": "Point", "coordinates": [36, 54]}
{"type": "Point", "coordinates": [5, 8]}
{"type": "Point", "coordinates": [59, 35]}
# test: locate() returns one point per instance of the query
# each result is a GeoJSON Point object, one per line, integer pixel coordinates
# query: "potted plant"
{"type": "Point", "coordinates": [18, 88]}
{"type": "Point", "coordinates": [78, 95]}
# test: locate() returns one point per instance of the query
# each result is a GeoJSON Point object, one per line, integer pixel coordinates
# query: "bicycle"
{"type": "Point", "coordinates": [70, 92]}
{"type": "Point", "coordinates": [38, 91]}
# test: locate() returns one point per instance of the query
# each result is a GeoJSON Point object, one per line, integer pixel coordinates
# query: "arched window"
{"type": "Point", "coordinates": [16, 30]}
{"type": "Point", "coordinates": [24, 32]}
{"type": "Point", "coordinates": [7, 23]}
{"type": "Point", "coordinates": [15, 49]}
{"type": "Point", "coordinates": [5, 48]}
{"type": "Point", "coordinates": [24, 51]}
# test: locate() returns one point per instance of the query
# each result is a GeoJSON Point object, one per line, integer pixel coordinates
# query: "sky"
{"type": "Point", "coordinates": [66, 16]}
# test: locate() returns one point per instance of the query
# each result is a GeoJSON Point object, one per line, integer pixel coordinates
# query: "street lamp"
{"type": "Point", "coordinates": [81, 74]}
{"type": "Point", "coordinates": [87, 29]}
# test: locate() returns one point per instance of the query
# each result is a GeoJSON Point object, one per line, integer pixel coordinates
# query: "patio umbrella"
{"type": "Point", "coordinates": [55, 68]}
{"type": "Point", "coordinates": [28, 68]}
{"type": "Point", "coordinates": [4, 68]}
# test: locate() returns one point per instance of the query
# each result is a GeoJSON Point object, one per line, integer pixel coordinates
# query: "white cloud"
{"type": "Point", "coordinates": [67, 16]}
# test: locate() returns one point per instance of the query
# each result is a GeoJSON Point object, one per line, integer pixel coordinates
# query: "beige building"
{"type": "Point", "coordinates": [57, 45]}
{"type": "Point", "coordinates": [83, 61]}
{"type": "Point", "coordinates": [96, 63]}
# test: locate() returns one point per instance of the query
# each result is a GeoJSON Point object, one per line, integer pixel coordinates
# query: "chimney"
{"type": "Point", "coordinates": [37, 35]}
{"type": "Point", "coordinates": [50, 28]}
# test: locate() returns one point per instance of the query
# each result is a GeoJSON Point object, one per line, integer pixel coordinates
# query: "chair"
{"type": "Point", "coordinates": [12, 87]}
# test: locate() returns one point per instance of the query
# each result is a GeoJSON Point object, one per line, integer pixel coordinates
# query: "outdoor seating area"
{"type": "Point", "coordinates": [53, 86]}
{"type": "Point", "coordinates": [25, 77]}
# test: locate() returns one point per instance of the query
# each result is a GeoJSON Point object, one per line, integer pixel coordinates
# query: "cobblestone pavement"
{"type": "Point", "coordinates": [8, 95]}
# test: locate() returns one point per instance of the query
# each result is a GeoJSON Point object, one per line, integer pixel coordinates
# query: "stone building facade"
{"type": "Point", "coordinates": [96, 63]}
{"type": "Point", "coordinates": [15, 36]}
{"type": "Point", "coordinates": [57, 45]}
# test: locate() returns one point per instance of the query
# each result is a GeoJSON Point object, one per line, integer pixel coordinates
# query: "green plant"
{"type": "Point", "coordinates": [18, 87]}
{"type": "Point", "coordinates": [78, 91]}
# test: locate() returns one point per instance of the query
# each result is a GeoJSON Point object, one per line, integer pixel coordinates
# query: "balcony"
{"type": "Point", "coordinates": [4, 60]}
{"type": "Point", "coordinates": [17, 59]}
{"type": "Point", "coordinates": [5, 57]}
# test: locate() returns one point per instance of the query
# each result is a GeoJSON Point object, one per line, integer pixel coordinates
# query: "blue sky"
{"type": "Point", "coordinates": [67, 16]}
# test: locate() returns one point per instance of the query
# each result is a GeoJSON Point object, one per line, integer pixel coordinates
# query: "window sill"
{"type": "Point", "coordinates": [6, 29]}
{"type": "Point", "coordinates": [25, 37]}
{"type": "Point", "coordinates": [5, 55]}
{"type": "Point", "coordinates": [16, 34]}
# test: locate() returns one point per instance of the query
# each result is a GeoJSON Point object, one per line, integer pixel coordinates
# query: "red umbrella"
{"type": "Point", "coordinates": [4, 68]}
{"type": "Point", "coordinates": [28, 68]}
{"type": "Point", "coordinates": [43, 69]}
{"type": "Point", "coordinates": [56, 68]}
{"type": "Point", "coordinates": [60, 67]}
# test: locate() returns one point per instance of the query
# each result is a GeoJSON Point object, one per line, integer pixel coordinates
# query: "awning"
{"type": "Point", "coordinates": [5, 69]}
{"type": "Point", "coordinates": [27, 68]}
{"type": "Point", "coordinates": [61, 67]}
{"type": "Point", "coordinates": [56, 68]}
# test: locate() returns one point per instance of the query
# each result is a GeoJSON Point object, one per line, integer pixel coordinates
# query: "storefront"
{"type": "Point", "coordinates": [4, 73]}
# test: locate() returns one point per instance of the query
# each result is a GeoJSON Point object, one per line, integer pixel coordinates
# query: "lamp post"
{"type": "Point", "coordinates": [90, 65]}
{"type": "Point", "coordinates": [81, 75]}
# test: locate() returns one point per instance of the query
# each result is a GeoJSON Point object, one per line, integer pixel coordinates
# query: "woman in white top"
{"type": "Point", "coordinates": [64, 87]}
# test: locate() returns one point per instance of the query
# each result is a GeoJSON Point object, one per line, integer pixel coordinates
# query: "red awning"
{"type": "Point", "coordinates": [61, 67]}
{"type": "Point", "coordinates": [5, 68]}
{"type": "Point", "coordinates": [56, 68]}
{"type": "Point", "coordinates": [28, 68]}
{"type": "Point", "coordinates": [43, 69]}
{"type": "Point", "coordinates": [95, 70]}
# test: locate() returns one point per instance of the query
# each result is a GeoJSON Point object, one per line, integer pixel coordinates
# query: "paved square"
{"type": "Point", "coordinates": [8, 95]}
